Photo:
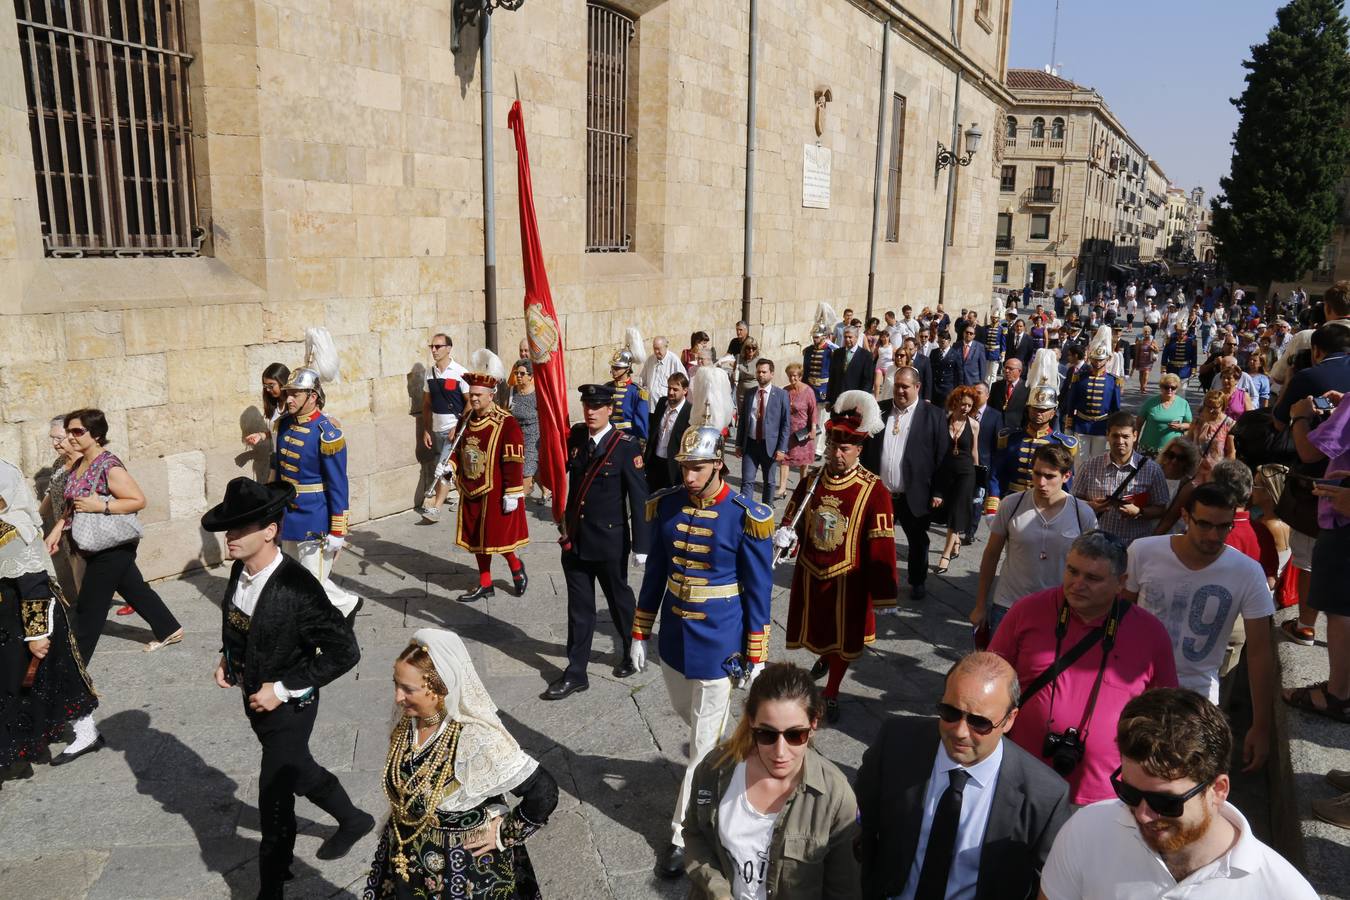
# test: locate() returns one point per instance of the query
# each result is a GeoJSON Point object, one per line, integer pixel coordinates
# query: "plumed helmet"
{"type": "Point", "coordinates": [856, 417]}
{"type": "Point", "coordinates": [487, 369]}
{"type": "Point", "coordinates": [1043, 380]}
{"type": "Point", "coordinates": [1099, 348]}
{"type": "Point", "coordinates": [631, 353]}
{"type": "Point", "coordinates": [710, 410]}
{"type": "Point", "coordinates": [826, 320]}
{"type": "Point", "coordinates": [303, 379]}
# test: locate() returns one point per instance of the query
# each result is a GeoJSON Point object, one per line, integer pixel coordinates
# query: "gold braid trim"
{"type": "Point", "coordinates": [757, 528]}
{"type": "Point", "coordinates": [7, 533]}
{"type": "Point", "coordinates": [328, 448]}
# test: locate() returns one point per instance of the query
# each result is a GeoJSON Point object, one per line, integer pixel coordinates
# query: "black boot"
{"type": "Point", "coordinates": [353, 823]}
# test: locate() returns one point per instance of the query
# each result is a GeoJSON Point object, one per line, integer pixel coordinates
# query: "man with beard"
{"type": "Point", "coordinates": [1172, 832]}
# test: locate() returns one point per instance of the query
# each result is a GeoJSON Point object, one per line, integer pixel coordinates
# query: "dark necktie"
{"type": "Point", "coordinates": [937, 859]}
{"type": "Point", "coordinates": [759, 417]}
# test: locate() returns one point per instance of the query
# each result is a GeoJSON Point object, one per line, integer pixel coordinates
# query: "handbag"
{"type": "Point", "coordinates": [95, 532]}
{"type": "Point", "coordinates": [801, 434]}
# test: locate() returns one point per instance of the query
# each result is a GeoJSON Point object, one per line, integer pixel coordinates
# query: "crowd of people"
{"type": "Point", "coordinates": [1133, 560]}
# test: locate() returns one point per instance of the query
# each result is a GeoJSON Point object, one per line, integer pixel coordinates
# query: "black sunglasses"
{"type": "Point", "coordinates": [1169, 806]}
{"type": "Point", "coordinates": [76, 432]}
{"type": "Point", "coordinates": [978, 724]}
{"type": "Point", "coordinates": [767, 737]}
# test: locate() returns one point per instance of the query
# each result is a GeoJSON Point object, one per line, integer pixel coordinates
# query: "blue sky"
{"type": "Point", "coordinates": [1165, 67]}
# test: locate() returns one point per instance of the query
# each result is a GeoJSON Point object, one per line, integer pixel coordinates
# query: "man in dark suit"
{"type": "Point", "coordinates": [283, 641]}
{"type": "Point", "coordinates": [956, 809]}
{"type": "Point", "coordinates": [851, 367]}
{"type": "Point", "coordinates": [1009, 394]}
{"type": "Point", "coordinates": [906, 454]}
{"type": "Point", "coordinates": [762, 443]}
{"type": "Point", "coordinates": [1020, 344]}
{"type": "Point", "coordinates": [973, 366]}
{"type": "Point", "coordinates": [668, 424]}
{"type": "Point", "coordinates": [605, 518]}
{"type": "Point", "coordinates": [919, 361]}
{"type": "Point", "coordinates": [990, 421]}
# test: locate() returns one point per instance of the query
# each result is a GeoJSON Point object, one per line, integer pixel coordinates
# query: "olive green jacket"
{"type": "Point", "coordinates": [811, 852]}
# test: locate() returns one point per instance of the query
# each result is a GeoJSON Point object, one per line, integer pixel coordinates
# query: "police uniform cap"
{"type": "Point", "coordinates": [597, 394]}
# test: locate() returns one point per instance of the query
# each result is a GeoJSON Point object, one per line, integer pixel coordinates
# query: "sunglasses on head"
{"type": "Point", "coordinates": [76, 432]}
{"type": "Point", "coordinates": [1169, 806]}
{"type": "Point", "coordinates": [767, 737]}
{"type": "Point", "coordinates": [979, 724]}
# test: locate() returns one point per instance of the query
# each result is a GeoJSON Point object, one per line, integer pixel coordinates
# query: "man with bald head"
{"type": "Point", "coordinates": [658, 368]}
{"type": "Point", "coordinates": [949, 807]}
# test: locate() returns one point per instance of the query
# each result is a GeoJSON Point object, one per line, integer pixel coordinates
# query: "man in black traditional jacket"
{"type": "Point", "coordinates": [283, 640]}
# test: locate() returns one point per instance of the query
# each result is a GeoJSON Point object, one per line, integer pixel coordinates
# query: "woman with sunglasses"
{"type": "Point", "coordinates": [1163, 417]}
{"type": "Point", "coordinates": [767, 784]}
{"type": "Point", "coordinates": [274, 405]}
{"type": "Point", "coordinates": [1179, 462]}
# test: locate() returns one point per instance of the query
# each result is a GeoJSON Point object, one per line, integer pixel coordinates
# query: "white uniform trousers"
{"type": "Point", "coordinates": [319, 562]}
{"type": "Point", "coordinates": [1090, 445]}
{"type": "Point", "coordinates": [704, 706]}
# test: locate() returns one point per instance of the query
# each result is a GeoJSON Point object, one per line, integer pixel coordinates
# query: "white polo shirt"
{"type": "Point", "coordinates": [1100, 855]}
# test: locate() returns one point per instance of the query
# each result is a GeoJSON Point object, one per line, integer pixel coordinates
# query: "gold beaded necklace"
{"type": "Point", "coordinates": [431, 779]}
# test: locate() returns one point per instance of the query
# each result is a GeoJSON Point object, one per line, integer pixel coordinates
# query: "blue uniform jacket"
{"type": "Point", "coordinates": [1179, 356]}
{"type": "Point", "coordinates": [710, 575]}
{"type": "Point", "coordinates": [1092, 400]}
{"type": "Point", "coordinates": [816, 369]}
{"type": "Point", "coordinates": [630, 409]}
{"type": "Point", "coordinates": [1011, 471]}
{"type": "Point", "coordinates": [312, 455]}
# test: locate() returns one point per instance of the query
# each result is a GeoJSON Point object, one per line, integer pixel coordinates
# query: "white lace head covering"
{"type": "Point", "coordinates": [20, 507]}
{"type": "Point", "coordinates": [488, 760]}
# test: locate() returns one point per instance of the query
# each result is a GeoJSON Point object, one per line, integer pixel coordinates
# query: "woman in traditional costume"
{"type": "Point", "coordinates": [450, 833]}
{"type": "Point", "coordinates": [43, 684]}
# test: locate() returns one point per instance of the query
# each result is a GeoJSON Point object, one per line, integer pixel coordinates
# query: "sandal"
{"type": "Point", "coordinates": [1299, 634]}
{"type": "Point", "coordinates": [943, 564]}
{"type": "Point", "coordinates": [1334, 708]}
{"type": "Point", "coordinates": [174, 638]}
{"type": "Point", "coordinates": [125, 609]}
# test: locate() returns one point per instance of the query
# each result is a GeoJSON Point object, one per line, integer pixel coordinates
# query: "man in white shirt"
{"type": "Point", "coordinates": [1198, 586]}
{"type": "Point", "coordinates": [1172, 832]}
{"type": "Point", "coordinates": [443, 397]}
{"type": "Point", "coordinates": [907, 326]}
{"type": "Point", "coordinates": [278, 624]}
{"type": "Point", "coordinates": [658, 368]}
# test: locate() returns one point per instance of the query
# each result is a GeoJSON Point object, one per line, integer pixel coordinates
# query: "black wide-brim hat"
{"type": "Point", "coordinates": [248, 501]}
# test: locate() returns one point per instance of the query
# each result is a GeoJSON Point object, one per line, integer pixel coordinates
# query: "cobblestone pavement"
{"type": "Point", "coordinates": [168, 809]}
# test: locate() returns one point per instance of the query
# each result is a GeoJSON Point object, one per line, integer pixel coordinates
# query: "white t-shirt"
{"type": "Point", "coordinates": [1034, 556]}
{"type": "Point", "coordinates": [1198, 608]}
{"type": "Point", "coordinates": [443, 422]}
{"type": "Point", "coordinates": [746, 834]}
{"type": "Point", "coordinates": [1152, 317]}
{"type": "Point", "coordinates": [1100, 855]}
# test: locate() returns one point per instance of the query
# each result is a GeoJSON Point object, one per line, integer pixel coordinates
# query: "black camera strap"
{"type": "Point", "coordinates": [1104, 633]}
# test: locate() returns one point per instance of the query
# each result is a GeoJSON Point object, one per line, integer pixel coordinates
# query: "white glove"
{"type": "Point", "coordinates": [754, 673]}
{"type": "Point", "coordinates": [784, 538]}
{"type": "Point", "coordinates": [332, 543]}
{"type": "Point", "coordinates": [637, 654]}
{"type": "Point", "coordinates": [640, 559]}
{"type": "Point", "coordinates": [509, 505]}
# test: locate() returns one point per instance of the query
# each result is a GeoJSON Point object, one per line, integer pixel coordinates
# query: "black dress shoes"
{"type": "Point", "coordinates": [61, 759]}
{"type": "Point", "coordinates": [671, 865]}
{"type": "Point", "coordinates": [340, 842]}
{"type": "Point", "coordinates": [481, 593]}
{"type": "Point", "coordinates": [624, 669]}
{"type": "Point", "coordinates": [831, 710]}
{"type": "Point", "coordinates": [820, 669]}
{"type": "Point", "coordinates": [918, 592]}
{"type": "Point", "coordinates": [562, 688]}
{"type": "Point", "coordinates": [520, 580]}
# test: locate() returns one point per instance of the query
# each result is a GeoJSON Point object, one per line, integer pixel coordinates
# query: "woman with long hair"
{"type": "Point", "coordinates": [763, 784]}
{"type": "Point", "coordinates": [690, 356]}
{"type": "Point", "coordinates": [955, 480]}
{"type": "Point", "coordinates": [884, 353]}
{"type": "Point", "coordinates": [274, 378]}
{"type": "Point", "coordinates": [1256, 368]}
{"type": "Point", "coordinates": [451, 762]}
{"type": "Point", "coordinates": [1211, 433]}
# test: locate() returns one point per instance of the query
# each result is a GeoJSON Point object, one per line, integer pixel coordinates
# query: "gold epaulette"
{"type": "Point", "coordinates": [758, 517]}
{"type": "Point", "coordinates": [328, 448]}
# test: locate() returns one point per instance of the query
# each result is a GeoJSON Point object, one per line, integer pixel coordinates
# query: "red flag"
{"type": "Point", "coordinates": [545, 337]}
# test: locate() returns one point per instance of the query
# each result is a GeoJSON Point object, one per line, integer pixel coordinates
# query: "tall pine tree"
{"type": "Point", "coordinates": [1276, 209]}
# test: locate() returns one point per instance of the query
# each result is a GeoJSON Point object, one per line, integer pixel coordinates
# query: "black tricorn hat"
{"type": "Point", "coordinates": [248, 501]}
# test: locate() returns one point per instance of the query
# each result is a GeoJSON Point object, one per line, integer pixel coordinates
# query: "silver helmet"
{"type": "Point", "coordinates": [304, 379]}
{"type": "Point", "coordinates": [1044, 380]}
{"type": "Point", "coordinates": [710, 410]}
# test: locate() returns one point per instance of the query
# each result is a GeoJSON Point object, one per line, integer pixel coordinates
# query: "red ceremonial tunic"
{"type": "Point", "coordinates": [845, 563]}
{"type": "Point", "coordinates": [489, 461]}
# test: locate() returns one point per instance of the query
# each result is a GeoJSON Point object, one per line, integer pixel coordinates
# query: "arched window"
{"type": "Point", "coordinates": [1057, 129]}
{"type": "Point", "coordinates": [1012, 128]}
{"type": "Point", "coordinates": [1038, 127]}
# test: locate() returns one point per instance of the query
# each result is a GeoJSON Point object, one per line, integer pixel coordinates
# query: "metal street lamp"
{"type": "Point", "coordinates": [947, 157]}
{"type": "Point", "coordinates": [466, 12]}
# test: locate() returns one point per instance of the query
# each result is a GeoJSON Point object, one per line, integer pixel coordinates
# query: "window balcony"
{"type": "Point", "coordinates": [1041, 196]}
{"type": "Point", "coordinates": [1003, 243]}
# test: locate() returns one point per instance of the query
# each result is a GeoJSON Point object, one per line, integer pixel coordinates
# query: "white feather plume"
{"type": "Point", "coordinates": [710, 400]}
{"type": "Point", "coordinates": [632, 341]}
{"type": "Point", "coordinates": [1101, 340]}
{"type": "Point", "coordinates": [485, 362]}
{"type": "Point", "coordinates": [825, 315]}
{"type": "Point", "coordinates": [865, 403]}
{"type": "Point", "coordinates": [321, 354]}
{"type": "Point", "coordinates": [1044, 369]}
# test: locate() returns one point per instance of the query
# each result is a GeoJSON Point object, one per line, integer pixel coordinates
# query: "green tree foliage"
{"type": "Point", "coordinates": [1276, 209]}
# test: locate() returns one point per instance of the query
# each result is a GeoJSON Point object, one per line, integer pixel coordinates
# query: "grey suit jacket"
{"type": "Point", "coordinates": [1030, 805]}
{"type": "Point", "coordinates": [777, 420]}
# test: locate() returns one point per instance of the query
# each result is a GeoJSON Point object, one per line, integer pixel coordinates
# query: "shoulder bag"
{"type": "Point", "coordinates": [95, 532]}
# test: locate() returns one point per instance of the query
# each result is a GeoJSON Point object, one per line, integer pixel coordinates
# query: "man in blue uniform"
{"type": "Point", "coordinates": [606, 503]}
{"type": "Point", "coordinates": [629, 412]}
{"type": "Point", "coordinates": [1094, 394]}
{"type": "Point", "coordinates": [1179, 354]}
{"type": "Point", "coordinates": [709, 576]}
{"type": "Point", "coordinates": [312, 455]}
{"type": "Point", "coordinates": [1016, 446]}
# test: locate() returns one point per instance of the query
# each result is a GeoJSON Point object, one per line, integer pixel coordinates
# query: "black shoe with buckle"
{"type": "Point", "coordinates": [61, 759]}
{"type": "Point", "coordinates": [820, 669]}
{"type": "Point", "coordinates": [564, 687]}
{"type": "Point", "coordinates": [520, 580]}
{"type": "Point", "coordinates": [482, 593]}
{"type": "Point", "coordinates": [671, 865]}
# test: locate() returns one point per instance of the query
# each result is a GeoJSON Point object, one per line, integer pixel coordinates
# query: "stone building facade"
{"type": "Point", "coordinates": [1072, 189]}
{"type": "Point", "coordinates": [332, 164]}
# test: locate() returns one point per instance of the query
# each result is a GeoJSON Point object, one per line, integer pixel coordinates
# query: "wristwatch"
{"type": "Point", "coordinates": [107, 506]}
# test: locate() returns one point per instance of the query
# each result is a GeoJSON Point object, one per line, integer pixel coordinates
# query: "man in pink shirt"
{"type": "Point", "coordinates": [1081, 654]}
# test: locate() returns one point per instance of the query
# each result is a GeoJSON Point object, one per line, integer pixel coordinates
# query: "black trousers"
{"type": "Point", "coordinates": [658, 475]}
{"type": "Point", "coordinates": [288, 771]}
{"type": "Point", "coordinates": [916, 537]}
{"type": "Point", "coordinates": [581, 576]}
{"type": "Point", "coordinates": [114, 571]}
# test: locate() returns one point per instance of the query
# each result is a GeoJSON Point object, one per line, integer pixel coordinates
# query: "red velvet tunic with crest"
{"type": "Point", "coordinates": [845, 563]}
{"type": "Point", "coordinates": [489, 461]}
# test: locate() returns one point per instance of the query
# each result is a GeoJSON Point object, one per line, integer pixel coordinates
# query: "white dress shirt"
{"type": "Point", "coordinates": [245, 598]}
{"type": "Point", "coordinates": [597, 438]}
{"type": "Point", "coordinates": [976, 801]}
{"type": "Point", "coordinates": [898, 424]}
{"type": "Point", "coordinates": [656, 375]}
{"type": "Point", "coordinates": [667, 423]}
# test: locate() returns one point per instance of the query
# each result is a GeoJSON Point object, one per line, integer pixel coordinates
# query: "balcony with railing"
{"type": "Point", "coordinates": [1003, 243]}
{"type": "Point", "coordinates": [1041, 196]}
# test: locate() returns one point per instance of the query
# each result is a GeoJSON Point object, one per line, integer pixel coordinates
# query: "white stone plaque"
{"type": "Point", "coordinates": [815, 177]}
